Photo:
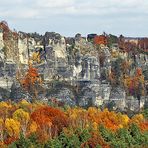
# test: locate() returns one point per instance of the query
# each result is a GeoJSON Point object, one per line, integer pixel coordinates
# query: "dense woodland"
{"type": "Point", "coordinates": [31, 125]}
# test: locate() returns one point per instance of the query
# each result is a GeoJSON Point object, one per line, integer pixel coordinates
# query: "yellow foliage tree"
{"type": "Point", "coordinates": [24, 103]}
{"type": "Point", "coordinates": [33, 127]}
{"type": "Point", "coordinates": [4, 109]}
{"type": "Point", "coordinates": [23, 117]}
{"type": "Point", "coordinates": [26, 106]}
{"type": "Point", "coordinates": [12, 127]}
{"type": "Point", "coordinates": [139, 118]}
{"type": "Point", "coordinates": [36, 57]}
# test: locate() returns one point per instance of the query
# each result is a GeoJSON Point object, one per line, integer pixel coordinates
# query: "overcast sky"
{"type": "Point", "coordinates": [68, 17]}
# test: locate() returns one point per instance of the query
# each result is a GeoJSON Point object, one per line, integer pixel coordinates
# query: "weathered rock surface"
{"type": "Point", "coordinates": [74, 70]}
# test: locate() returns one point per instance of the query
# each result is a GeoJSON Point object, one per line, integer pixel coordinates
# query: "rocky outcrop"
{"type": "Point", "coordinates": [1, 40]}
{"type": "Point", "coordinates": [87, 73]}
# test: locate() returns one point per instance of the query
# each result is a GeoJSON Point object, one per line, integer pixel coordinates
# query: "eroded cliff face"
{"type": "Point", "coordinates": [75, 70]}
{"type": "Point", "coordinates": [1, 40]}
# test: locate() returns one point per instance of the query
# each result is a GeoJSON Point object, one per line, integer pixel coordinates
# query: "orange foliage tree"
{"type": "Point", "coordinates": [94, 141]}
{"type": "Point", "coordinates": [98, 40]}
{"type": "Point", "coordinates": [31, 81]}
{"type": "Point", "coordinates": [140, 121]}
{"type": "Point", "coordinates": [135, 82]}
{"type": "Point", "coordinates": [50, 121]}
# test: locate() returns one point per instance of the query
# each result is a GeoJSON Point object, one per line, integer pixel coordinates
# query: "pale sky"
{"type": "Point", "coordinates": [68, 17]}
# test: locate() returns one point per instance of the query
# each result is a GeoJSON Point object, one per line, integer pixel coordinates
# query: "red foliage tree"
{"type": "Point", "coordinates": [31, 80]}
{"type": "Point", "coordinates": [56, 117]}
{"type": "Point", "coordinates": [94, 141]}
{"type": "Point", "coordinates": [7, 33]}
{"type": "Point", "coordinates": [143, 44]}
{"type": "Point", "coordinates": [98, 40]}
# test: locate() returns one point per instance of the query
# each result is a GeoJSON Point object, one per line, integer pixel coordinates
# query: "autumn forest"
{"type": "Point", "coordinates": [31, 125]}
